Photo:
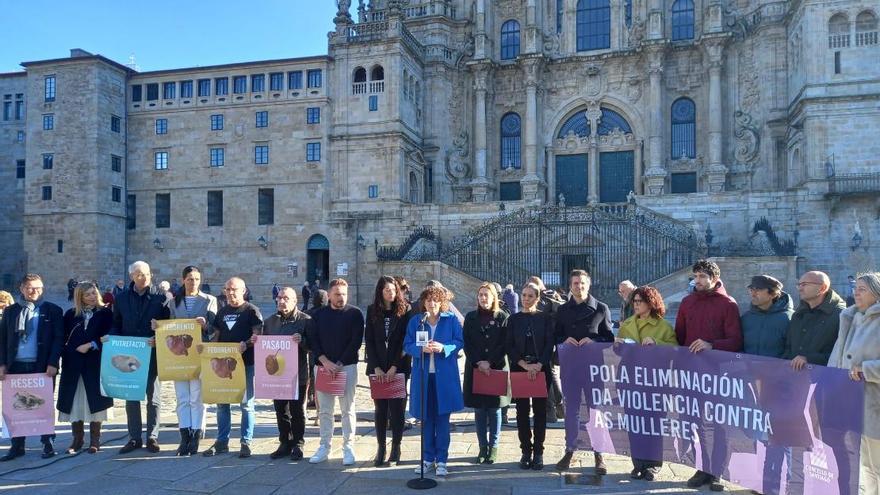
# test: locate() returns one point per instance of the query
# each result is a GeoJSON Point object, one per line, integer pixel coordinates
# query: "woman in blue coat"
{"type": "Point", "coordinates": [438, 361]}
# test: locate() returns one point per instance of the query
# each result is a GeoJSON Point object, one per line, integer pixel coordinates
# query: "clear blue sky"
{"type": "Point", "coordinates": [165, 34]}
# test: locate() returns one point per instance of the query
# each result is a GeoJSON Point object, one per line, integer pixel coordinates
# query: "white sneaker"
{"type": "Point", "coordinates": [428, 467]}
{"type": "Point", "coordinates": [441, 469]}
{"type": "Point", "coordinates": [320, 456]}
{"type": "Point", "coordinates": [348, 457]}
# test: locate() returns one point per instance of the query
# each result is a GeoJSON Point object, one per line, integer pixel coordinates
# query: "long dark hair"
{"type": "Point", "coordinates": [399, 306]}
{"type": "Point", "coordinates": [181, 292]}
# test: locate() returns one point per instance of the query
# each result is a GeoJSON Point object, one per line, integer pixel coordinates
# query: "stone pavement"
{"type": "Point", "coordinates": [140, 472]}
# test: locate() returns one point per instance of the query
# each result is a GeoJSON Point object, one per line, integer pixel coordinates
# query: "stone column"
{"type": "Point", "coordinates": [716, 174]}
{"type": "Point", "coordinates": [480, 38]}
{"type": "Point", "coordinates": [532, 29]}
{"type": "Point", "coordinates": [655, 176]}
{"type": "Point", "coordinates": [594, 113]}
{"type": "Point", "coordinates": [480, 183]}
{"type": "Point", "coordinates": [531, 183]}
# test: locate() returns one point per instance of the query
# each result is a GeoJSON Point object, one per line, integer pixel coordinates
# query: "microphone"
{"type": "Point", "coordinates": [425, 316]}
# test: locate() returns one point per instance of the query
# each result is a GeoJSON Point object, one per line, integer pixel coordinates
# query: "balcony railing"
{"type": "Point", "coordinates": [852, 184]}
{"type": "Point", "coordinates": [838, 41]}
{"type": "Point", "coordinates": [867, 38]}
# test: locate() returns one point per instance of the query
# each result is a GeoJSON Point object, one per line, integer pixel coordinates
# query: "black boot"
{"type": "Point", "coordinates": [283, 450]}
{"type": "Point", "coordinates": [193, 446]}
{"type": "Point", "coordinates": [183, 448]}
{"type": "Point", "coordinates": [538, 461]}
{"type": "Point", "coordinates": [601, 469]}
{"type": "Point", "coordinates": [525, 462]}
{"type": "Point", "coordinates": [380, 456]}
{"type": "Point", "coordinates": [394, 457]}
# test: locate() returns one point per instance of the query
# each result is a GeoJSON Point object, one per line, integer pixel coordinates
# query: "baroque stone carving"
{"type": "Point", "coordinates": [457, 166]}
{"type": "Point", "coordinates": [594, 83]}
{"type": "Point", "coordinates": [748, 139]}
{"type": "Point", "coordinates": [750, 93]}
{"type": "Point", "coordinates": [552, 44]}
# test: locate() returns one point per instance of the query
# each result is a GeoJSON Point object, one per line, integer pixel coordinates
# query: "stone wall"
{"type": "Point", "coordinates": [12, 262]}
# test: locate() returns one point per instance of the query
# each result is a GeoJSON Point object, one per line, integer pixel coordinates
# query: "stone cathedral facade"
{"type": "Point", "coordinates": [444, 114]}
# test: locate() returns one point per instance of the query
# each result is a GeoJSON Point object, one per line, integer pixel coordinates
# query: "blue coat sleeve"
{"type": "Point", "coordinates": [452, 348]}
{"type": "Point", "coordinates": [409, 342]}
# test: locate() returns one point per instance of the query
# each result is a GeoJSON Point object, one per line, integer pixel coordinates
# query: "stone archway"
{"type": "Point", "coordinates": [318, 260]}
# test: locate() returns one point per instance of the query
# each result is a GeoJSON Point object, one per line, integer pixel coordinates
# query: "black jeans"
{"type": "Point", "coordinates": [393, 409]}
{"type": "Point", "coordinates": [539, 410]}
{"type": "Point", "coordinates": [291, 418]}
{"type": "Point", "coordinates": [20, 368]}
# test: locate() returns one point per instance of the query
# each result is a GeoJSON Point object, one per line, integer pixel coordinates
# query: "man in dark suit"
{"type": "Point", "coordinates": [31, 338]}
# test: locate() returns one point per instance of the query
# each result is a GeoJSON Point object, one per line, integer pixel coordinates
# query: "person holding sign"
{"type": "Point", "coordinates": [31, 338]}
{"type": "Point", "coordinates": [647, 327]}
{"type": "Point", "coordinates": [290, 413]}
{"type": "Point", "coordinates": [336, 337]}
{"type": "Point", "coordinates": [386, 327]}
{"type": "Point", "coordinates": [79, 390]}
{"type": "Point", "coordinates": [192, 303]}
{"type": "Point", "coordinates": [133, 312]}
{"type": "Point", "coordinates": [237, 322]}
{"type": "Point", "coordinates": [433, 340]}
{"type": "Point", "coordinates": [580, 321]}
{"type": "Point", "coordinates": [485, 336]}
{"type": "Point", "coordinates": [530, 350]}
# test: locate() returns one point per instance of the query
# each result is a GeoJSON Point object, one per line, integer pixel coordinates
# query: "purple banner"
{"type": "Point", "coordinates": [751, 419]}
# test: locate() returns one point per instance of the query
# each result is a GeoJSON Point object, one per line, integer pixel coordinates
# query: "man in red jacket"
{"type": "Point", "coordinates": [709, 319]}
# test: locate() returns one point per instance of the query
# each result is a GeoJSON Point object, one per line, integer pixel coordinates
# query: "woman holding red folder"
{"type": "Point", "coordinates": [435, 363]}
{"type": "Point", "coordinates": [530, 348]}
{"type": "Point", "coordinates": [485, 338]}
{"type": "Point", "coordinates": [385, 329]}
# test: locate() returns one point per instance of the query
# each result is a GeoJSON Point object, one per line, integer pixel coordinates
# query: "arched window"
{"type": "Point", "coordinates": [318, 241]}
{"type": "Point", "coordinates": [377, 74]}
{"type": "Point", "coordinates": [684, 129]}
{"type": "Point", "coordinates": [511, 132]}
{"type": "Point", "coordinates": [611, 120]}
{"type": "Point", "coordinates": [577, 124]}
{"type": "Point", "coordinates": [683, 20]}
{"type": "Point", "coordinates": [866, 29]}
{"type": "Point", "coordinates": [593, 25]}
{"type": "Point", "coordinates": [838, 31]}
{"type": "Point", "coordinates": [509, 40]}
{"type": "Point", "coordinates": [413, 188]}
{"type": "Point", "coordinates": [360, 75]}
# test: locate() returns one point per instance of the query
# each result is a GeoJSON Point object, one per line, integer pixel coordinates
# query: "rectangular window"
{"type": "Point", "coordinates": [48, 122]}
{"type": "Point", "coordinates": [261, 154]}
{"type": "Point", "coordinates": [837, 62]}
{"type": "Point", "coordinates": [204, 87]}
{"type": "Point", "coordinates": [313, 152]}
{"type": "Point", "coordinates": [314, 76]}
{"type": "Point", "coordinates": [239, 84]}
{"type": "Point", "coordinates": [136, 92]}
{"type": "Point", "coordinates": [161, 160]}
{"type": "Point", "coordinates": [295, 80]}
{"type": "Point", "coordinates": [50, 88]}
{"type": "Point", "coordinates": [276, 81]}
{"type": "Point", "coordinates": [47, 193]}
{"type": "Point", "coordinates": [130, 212]}
{"type": "Point", "coordinates": [115, 124]}
{"type": "Point", "coordinates": [217, 122]}
{"type": "Point", "coordinates": [683, 182]}
{"type": "Point", "coordinates": [373, 191]}
{"type": "Point", "coordinates": [168, 90]}
{"type": "Point", "coordinates": [221, 86]}
{"type": "Point", "coordinates": [266, 207]}
{"type": "Point", "coordinates": [215, 208]}
{"type": "Point", "coordinates": [152, 91]}
{"type": "Point", "coordinates": [20, 136]}
{"type": "Point", "coordinates": [19, 110]}
{"type": "Point", "coordinates": [115, 163]}
{"type": "Point", "coordinates": [19, 169]}
{"type": "Point", "coordinates": [48, 161]}
{"type": "Point", "coordinates": [374, 103]}
{"type": "Point", "coordinates": [262, 119]}
{"type": "Point", "coordinates": [186, 89]}
{"type": "Point", "coordinates": [7, 110]}
{"type": "Point", "coordinates": [116, 194]}
{"type": "Point", "coordinates": [313, 115]}
{"type": "Point", "coordinates": [258, 83]}
{"type": "Point", "coordinates": [60, 246]}
{"type": "Point", "coordinates": [510, 191]}
{"type": "Point", "coordinates": [163, 210]}
{"type": "Point", "coordinates": [161, 126]}
{"type": "Point", "coordinates": [218, 156]}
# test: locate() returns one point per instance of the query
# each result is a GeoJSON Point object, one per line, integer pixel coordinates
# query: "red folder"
{"type": "Point", "coordinates": [493, 384]}
{"type": "Point", "coordinates": [521, 387]}
{"type": "Point", "coordinates": [393, 389]}
{"type": "Point", "coordinates": [330, 383]}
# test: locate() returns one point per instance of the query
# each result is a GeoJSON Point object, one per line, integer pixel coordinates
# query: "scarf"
{"type": "Point", "coordinates": [24, 321]}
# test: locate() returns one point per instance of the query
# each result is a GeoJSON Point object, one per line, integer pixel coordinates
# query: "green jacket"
{"type": "Point", "coordinates": [813, 332]}
{"type": "Point", "coordinates": [657, 328]}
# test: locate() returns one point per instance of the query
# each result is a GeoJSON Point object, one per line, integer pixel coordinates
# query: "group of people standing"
{"type": "Point", "coordinates": [36, 336]}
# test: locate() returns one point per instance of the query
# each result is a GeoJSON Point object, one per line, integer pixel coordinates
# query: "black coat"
{"type": "Point", "coordinates": [132, 312]}
{"type": "Point", "coordinates": [591, 318]}
{"type": "Point", "coordinates": [75, 364]}
{"type": "Point", "coordinates": [300, 323]}
{"type": "Point", "coordinates": [50, 335]}
{"type": "Point", "coordinates": [484, 344]}
{"type": "Point", "coordinates": [385, 354]}
{"type": "Point", "coordinates": [530, 334]}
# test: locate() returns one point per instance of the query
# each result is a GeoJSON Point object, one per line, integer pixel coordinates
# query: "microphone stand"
{"type": "Point", "coordinates": [422, 483]}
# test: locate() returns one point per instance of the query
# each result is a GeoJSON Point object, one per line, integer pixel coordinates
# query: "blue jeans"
{"type": "Point", "coordinates": [435, 425]}
{"type": "Point", "coordinates": [224, 415]}
{"type": "Point", "coordinates": [488, 424]}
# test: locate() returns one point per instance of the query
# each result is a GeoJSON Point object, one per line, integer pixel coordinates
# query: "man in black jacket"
{"type": "Point", "coordinates": [31, 338]}
{"type": "Point", "coordinates": [134, 309]}
{"type": "Point", "coordinates": [581, 321]}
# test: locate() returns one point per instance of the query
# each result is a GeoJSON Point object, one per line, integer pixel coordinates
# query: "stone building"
{"type": "Point", "coordinates": [739, 127]}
